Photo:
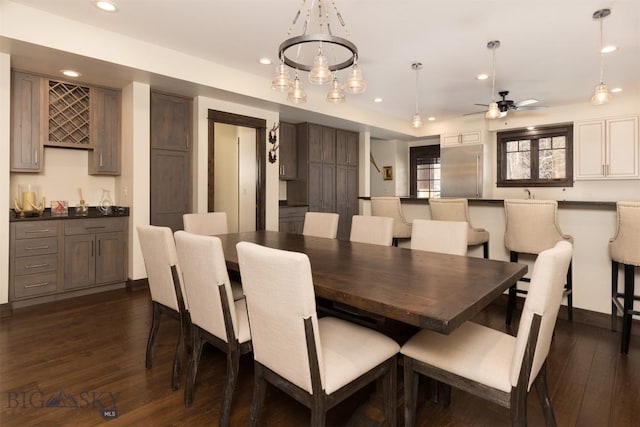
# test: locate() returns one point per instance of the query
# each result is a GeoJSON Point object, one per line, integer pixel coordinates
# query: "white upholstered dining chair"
{"type": "Point", "coordinates": [167, 292]}
{"type": "Point", "coordinates": [319, 362]}
{"type": "Point", "coordinates": [447, 237]}
{"type": "Point", "coordinates": [489, 363]}
{"type": "Point", "coordinates": [206, 223]}
{"type": "Point", "coordinates": [458, 210]}
{"type": "Point", "coordinates": [376, 230]}
{"type": "Point", "coordinates": [215, 317]}
{"type": "Point", "coordinates": [321, 224]}
{"type": "Point", "coordinates": [392, 208]}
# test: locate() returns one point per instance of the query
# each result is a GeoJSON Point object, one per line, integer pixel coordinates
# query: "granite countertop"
{"type": "Point", "coordinates": [116, 211]}
{"type": "Point", "coordinates": [561, 203]}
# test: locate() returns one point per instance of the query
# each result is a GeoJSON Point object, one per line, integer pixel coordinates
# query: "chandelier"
{"type": "Point", "coordinates": [320, 53]}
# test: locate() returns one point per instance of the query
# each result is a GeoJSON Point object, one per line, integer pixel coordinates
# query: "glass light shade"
{"type": "Point", "coordinates": [320, 73]}
{"type": "Point", "coordinates": [281, 80]}
{"type": "Point", "coordinates": [493, 112]}
{"type": "Point", "coordinates": [417, 121]}
{"type": "Point", "coordinates": [296, 92]}
{"type": "Point", "coordinates": [336, 94]}
{"type": "Point", "coordinates": [601, 95]}
{"type": "Point", "coordinates": [355, 83]}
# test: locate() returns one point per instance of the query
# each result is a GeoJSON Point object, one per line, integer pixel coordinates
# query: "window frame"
{"type": "Point", "coordinates": [432, 151]}
{"type": "Point", "coordinates": [563, 129]}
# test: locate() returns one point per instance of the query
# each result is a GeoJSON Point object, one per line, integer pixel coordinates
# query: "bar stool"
{"type": "Point", "coordinates": [391, 207]}
{"type": "Point", "coordinates": [458, 210]}
{"type": "Point", "coordinates": [624, 249]}
{"type": "Point", "coordinates": [532, 227]}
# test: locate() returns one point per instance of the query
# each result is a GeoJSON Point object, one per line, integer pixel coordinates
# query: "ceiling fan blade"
{"type": "Point", "coordinates": [531, 107]}
{"type": "Point", "coordinates": [526, 102]}
{"type": "Point", "coordinates": [477, 112]}
{"type": "Point", "coordinates": [482, 105]}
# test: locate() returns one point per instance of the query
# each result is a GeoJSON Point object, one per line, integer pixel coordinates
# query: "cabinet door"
{"type": "Point", "coordinates": [622, 148]}
{"type": "Point", "coordinates": [314, 135]}
{"type": "Point", "coordinates": [328, 187]}
{"type": "Point", "coordinates": [110, 259]}
{"type": "Point", "coordinates": [170, 122]}
{"type": "Point", "coordinates": [79, 261]}
{"type": "Point", "coordinates": [315, 187]}
{"type": "Point", "coordinates": [590, 150]}
{"type": "Point", "coordinates": [104, 159]}
{"type": "Point", "coordinates": [288, 151]}
{"type": "Point", "coordinates": [346, 198]}
{"type": "Point", "coordinates": [471, 137]}
{"type": "Point", "coordinates": [346, 148]}
{"type": "Point", "coordinates": [328, 145]}
{"type": "Point", "coordinates": [27, 123]}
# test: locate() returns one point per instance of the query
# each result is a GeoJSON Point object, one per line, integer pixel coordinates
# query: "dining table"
{"type": "Point", "coordinates": [424, 289]}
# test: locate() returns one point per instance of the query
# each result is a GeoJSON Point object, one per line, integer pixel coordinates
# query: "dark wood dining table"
{"type": "Point", "coordinates": [424, 289]}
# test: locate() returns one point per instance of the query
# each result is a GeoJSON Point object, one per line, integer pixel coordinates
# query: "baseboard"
{"type": "Point", "coordinates": [5, 310]}
{"type": "Point", "coordinates": [138, 284]}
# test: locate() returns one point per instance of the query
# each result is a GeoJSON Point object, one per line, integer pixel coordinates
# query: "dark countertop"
{"type": "Point", "coordinates": [116, 211]}
{"type": "Point", "coordinates": [285, 204]}
{"type": "Point", "coordinates": [561, 203]}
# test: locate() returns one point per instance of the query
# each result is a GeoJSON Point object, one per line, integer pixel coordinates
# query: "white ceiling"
{"type": "Point", "coordinates": [549, 48]}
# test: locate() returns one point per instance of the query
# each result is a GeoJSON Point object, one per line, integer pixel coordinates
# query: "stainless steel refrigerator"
{"type": "Point", "coordinates": [461, 171]}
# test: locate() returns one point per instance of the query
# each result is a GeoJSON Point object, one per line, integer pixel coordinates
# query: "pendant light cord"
{"type": "Point", "coordinates": [417, 74]}
{"type": "Point", "coordinates": [493, 75]}
{"type": "Point", "coordinates": [601, 53]}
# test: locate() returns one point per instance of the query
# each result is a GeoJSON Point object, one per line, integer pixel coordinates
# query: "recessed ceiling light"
{"type": "Point", "coordinates": [106, 5]}
{"type": "Point", "coordinates": [378, 100]}
{"type": "Point", "coordinates": [265, 61]}
{"type": "Point", "coordinates": [70, 73]}
{"type": "Point", "coordinates": [431, 118]}
{"type": "Point", "coordinates": [482, 76]}
{"type": "Point", "coordinates": [616, 90]}
{"type": "Point", "coordinates": [609, 49]}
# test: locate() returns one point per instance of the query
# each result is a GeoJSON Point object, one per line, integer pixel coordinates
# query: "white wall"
{"type": "Point", "coordinates": [5, 109]}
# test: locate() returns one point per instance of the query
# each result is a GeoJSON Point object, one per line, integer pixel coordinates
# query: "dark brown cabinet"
{"type": "Point", "coordinates": [288, 151]}
{"type": "Point", "coordinates": [104, 159]}
{"type": "Point", "coordinates": [291, 219]}
{"type": "Point", "coordinates": [346, 148]}
{"type": "Point", "coordinates": [170, 159]}
{"type": "Point", "coordinates": [28, 122]}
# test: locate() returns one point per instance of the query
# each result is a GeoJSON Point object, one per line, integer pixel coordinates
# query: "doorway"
{"type": "Point", "coordinates": [259, 126]}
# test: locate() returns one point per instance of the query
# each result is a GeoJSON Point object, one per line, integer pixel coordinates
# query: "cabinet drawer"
{"type": "Point", "coordinates": [35, 284]}
{"type": "Point", "coordinates": [29, 230]}
{"type": "Point", "coordinates": [99, 225]}
{"type": "Point", "coordinates": [289, 212]}
{"type": "Point", "coordinates": [31, 247]}
{"type": "Point", "coordinates": [36, 264]}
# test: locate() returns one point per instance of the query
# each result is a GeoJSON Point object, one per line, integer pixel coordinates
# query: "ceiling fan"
{"type": "Point", "coordinates": [505, 105]}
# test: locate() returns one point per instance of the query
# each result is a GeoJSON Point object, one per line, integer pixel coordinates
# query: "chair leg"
{"type": "Point", "coordinates": [394, 241]}
{"type": "Point", "coordinates": [389, 388]}
{"type": "Point", "coordinates": [177, 359]}
{"type": "Point", "coordinates": [542, 390]}
{"type": "Point", "coordinates": [259, 391]}
{"type": "Point", "coordinates": [511, 303]}
{"type": "Point", "coordinates": [153, 332]}
{"type": "Point", "coordinates": [233, 366]}
{"type": "Point", "coordinates": [318, 412]}
{"type": "Point", "coordinates": [410, 392]}
{"type": "Point", "coordinates": [444, 390]}
{"type": "Point", "coordinates": [614, 295]}
{"type": "Point", "coordinates": [519, 407]}
{"type": "Point", "coordinates": [485, 250]}
{"type": "Point", "coordinates": [627, 315]}
{"type": "Point", "coordinates": [569, 288]}
{"type": "Point", "coordinates": [193, 367]}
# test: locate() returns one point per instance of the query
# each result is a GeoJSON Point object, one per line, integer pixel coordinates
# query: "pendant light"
{"type": "Point", "coordinates": [493, 112]}
{"type": "Point", "coordinates": [417, 120]}
{"type": "Point", "coordinates": [296, 93]}
{"type": "Point", "coordinates": [601, 95]}
{"type": "Point", "coordinates": [335, 94]}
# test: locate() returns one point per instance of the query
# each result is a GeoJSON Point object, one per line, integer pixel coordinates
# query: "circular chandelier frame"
{"type": "Point", "coordinates": [317, 38]}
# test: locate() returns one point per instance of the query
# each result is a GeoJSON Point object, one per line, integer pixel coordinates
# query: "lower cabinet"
{"type": "Point", "coordinates": [291, 219]}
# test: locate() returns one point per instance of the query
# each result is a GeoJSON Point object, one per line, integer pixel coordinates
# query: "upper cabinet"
{"type": "Point", "coordinates": [171, 118]}
{"type": "Point", "coordinates": [28, 122]}
{"type": "Point", "coordinates": [288, 151]}
{"type": "Point", "coordinates": [346, 148]}
{"type": "Point", "coordinates": [607, 149]}
{"type": "Point", "coordinates": [472, 137]}
{"type": "Point", "coordinates": [47, 112]}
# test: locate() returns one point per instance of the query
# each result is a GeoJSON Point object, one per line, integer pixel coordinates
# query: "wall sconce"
{"type": "Point", "coordinates": [273, 140]}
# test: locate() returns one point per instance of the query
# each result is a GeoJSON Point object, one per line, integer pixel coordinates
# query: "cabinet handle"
{"type": "Point", "coordinates": [36, 265]}
{"type": "Point", "coordinates": [608, 169]}
{"type": "Point", "coordinates": [604, 172]}
{"type": "Point", "coordinates": [99, 247]}
{"type": "Point", "coordinates": [101, 160]}
{"type": "Point", "coordinates": [36, 285]}
{"type": "Point", "coordinates": [95, 227]}
{"type": "Point", "coordinates": [35, 248]}
{"type": "Point", "coordinates": [36, 155]}
{"type": "Point", "coordinates": [92, 248]}
{"type": "Point", "coordinates": [46, 230]}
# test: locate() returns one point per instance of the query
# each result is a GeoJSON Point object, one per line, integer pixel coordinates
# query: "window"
{"type": "Point", "coordinates": [425, 171]}
{"type": "Point", "coordinates": [536, 158]}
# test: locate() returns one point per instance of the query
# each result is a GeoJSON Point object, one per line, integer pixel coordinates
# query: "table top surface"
{"type": "Point", "coordinates": [425, 289]}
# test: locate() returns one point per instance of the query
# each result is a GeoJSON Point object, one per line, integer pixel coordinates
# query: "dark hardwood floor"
{"type": "Point", "coordinates": [67, 363]}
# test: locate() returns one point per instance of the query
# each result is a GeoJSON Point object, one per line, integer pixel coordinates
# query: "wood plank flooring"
{"type": "Point", "coordinates": [67, 363]}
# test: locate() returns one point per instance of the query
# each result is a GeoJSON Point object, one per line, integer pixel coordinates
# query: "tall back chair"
{"type": "Point", "coordinates": [492, 364]}
{"type": "Point", "coordinates": [215, 317]}
{"type": "Point", "coordinates": [321, 224]}
{"type": "Point", "coordinates": [624, 248]}
{"type": "Point", "coordinates": [167, 291]}
{"type": "Point", "coordinates": [392, 208]}
{"type": "Point", "coordinates": [447, 237]}
{"type": "Point", "coordinates": [377, 230]}
{"type": "Point", "coordinates": [458, 210]}
{"type": "Point", "coordinates": [532, 227]}
{"type": "Point", "coordinates": [207, 223]}
{"type": "Point", "coordinates": [319, 362]}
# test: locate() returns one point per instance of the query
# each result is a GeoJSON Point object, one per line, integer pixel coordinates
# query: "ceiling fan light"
{"type": "Point", "coordinates": [320, 73]}
{"type": "Point", "coordinates": [417, 121]}
{"type": "Point", "coordinates": [296, 93]}
{"type": "Point", "coordinates": [355, 83]}
{"type": "Point", "coordinates": [601, 95]}
{"type": "Point", "coordinates": [281, 80]}
{"type": "Point", "coordinates": [336, 94]}
{"type": "Point", "coordinates": [493, 112]}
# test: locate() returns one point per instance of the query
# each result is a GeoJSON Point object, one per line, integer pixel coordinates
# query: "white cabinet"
{"type": "Point", "coordinates": [606, 149]}
{"type": "Point", "coordinates": [472, 137]}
